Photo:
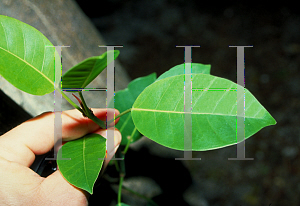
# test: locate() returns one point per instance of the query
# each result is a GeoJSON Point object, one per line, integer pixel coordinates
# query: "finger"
{"type": "Point", "coordinates": [76, 126]}
{"type": "Point", "coordinates": [21, 186]}
{"type": "Point", "coordinates": [56, 190]}
{"type": "Point", "coordinates": [36, 136]}
{"type": "Point", "coordinates": [117, 141]}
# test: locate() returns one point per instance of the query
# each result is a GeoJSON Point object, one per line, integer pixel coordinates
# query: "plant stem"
{"type": "Point", "coordinates": [125, 112]}
{"type": "Point", "coordinates": [120, 189]}
{"type": "Point", "coordinates": [117, 166]}
{"type": "Point", "coordinates": [69, 100]}
{"type": "Point", "coordinates": [129, 141]}
{"type": "Point", "coordinates": [88, 113]}
{"type": "Point", "coordinates": [85, 107]}
{"type": "Point", "coordinates": [91, 115]}
{"type": "Point", "coordinates": [122, 175]}
{"type": "Point", "coordinates": [140, 195]}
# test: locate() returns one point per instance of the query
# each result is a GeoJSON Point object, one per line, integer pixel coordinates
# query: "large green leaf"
{"type": "Point", "coordinates": [124, 100]}
{"type": "Point", "coordinates": [158, 113]}
{"type": "Point", "coordinates": [86, 71]}
{"type": "Point", "coordinates": [84, 167]}
{"type": "Point", "coordinates": [25, 61]}
{"type": "Point", "coordinates": [196, 68]}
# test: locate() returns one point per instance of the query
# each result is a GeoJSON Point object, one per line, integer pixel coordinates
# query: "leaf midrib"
{"type": "Point", "coordinates": [84, 163]}
{"type": "Point", "coordinates": [166, 111]}
{"type": "Point", "coordinates": [5, 50]}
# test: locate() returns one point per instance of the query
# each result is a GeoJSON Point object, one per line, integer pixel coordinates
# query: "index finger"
{"type": "Point", "coordinates": [36, 136]}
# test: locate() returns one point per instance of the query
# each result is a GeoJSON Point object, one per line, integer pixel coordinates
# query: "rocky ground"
{"type": "Point", "coordinates": [150, 31]}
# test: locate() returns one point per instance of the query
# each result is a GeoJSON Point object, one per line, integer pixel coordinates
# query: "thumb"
{"type": "Point", "coordinates": [56, 190]}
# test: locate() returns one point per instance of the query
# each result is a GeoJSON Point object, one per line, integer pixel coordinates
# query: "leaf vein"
{"type": "Point", "coordinates": [212, 81]}
{"type": "Point", "coordinates": [28, 65]}
{"type": "Point", "coordinates": [164, 93]}
{"type": "Point", "coordinates": [5, 35]}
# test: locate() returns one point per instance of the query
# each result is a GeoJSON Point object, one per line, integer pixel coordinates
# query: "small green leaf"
{"type": "Point", "coordinates": [124, 100]}
{"type": "Point", "coordinates": [158, 112]}
{"type": "Point", "coordinates": [196, 68]}
{"type": "Point", "coordinates": [84, 167]}
{"type": "Point", "coordinates": [25, 60]}
{"type": "Point", "coordinates": [86, 71]}
{"type": "Point", "coordinates": [122, 204]}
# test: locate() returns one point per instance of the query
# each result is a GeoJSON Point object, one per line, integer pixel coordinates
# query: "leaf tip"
{"type": "Point", "coordinates": [90, 190]}
{"type": "Point", "coordinates": [274, 122]}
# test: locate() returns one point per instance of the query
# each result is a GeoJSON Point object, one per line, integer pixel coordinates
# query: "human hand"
{"type": "Point", "coordinates": [19, 185]}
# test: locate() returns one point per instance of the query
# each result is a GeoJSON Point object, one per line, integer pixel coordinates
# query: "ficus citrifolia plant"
{"type": "Point", "coordinates": [149, 106]}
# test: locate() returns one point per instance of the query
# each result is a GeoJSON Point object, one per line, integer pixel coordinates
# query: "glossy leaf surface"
{"type": "Point", "coordinates": [84, 167]}
{"type": "Point", "coordinates": [158, 112]}
{"type": "Point", "coordinates": [124, 100]}
{"type": "Point", "coordinates": [196, 68]}
{"type": "Point", "coordinates": [25, 61]}
{"type": "Point", "coordinates": [86, 71]}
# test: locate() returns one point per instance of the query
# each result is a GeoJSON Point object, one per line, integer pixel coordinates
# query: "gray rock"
{"type": "Point", "coordinates": [63, 23]}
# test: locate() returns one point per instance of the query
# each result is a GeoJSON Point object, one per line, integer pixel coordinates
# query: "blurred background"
{"type": "Point", "coordinates": [150, 30]}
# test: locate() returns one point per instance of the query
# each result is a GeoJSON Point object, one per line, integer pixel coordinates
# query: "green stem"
{"type": "Point", "coordinates": [122, 174]}
{"type": "Point", "coordinates": [117, 166]}
{"type": "Point", "coordinates": [125, 112]}
{"type": "Point", "coordinates": [140, 195]}
{"type": "Point", "coordinates": [69, 100]}
{"type": "Point", "coordinates": [129, 141]}
{"type": "Point", "coordinates": [85, 107]}
{"type": "Point", "coordinates": [120, 189]}
{"type": "Point", "coordinates": [88, 113]}
{"type": "Point", "coordinates": [91, 115]}
{"type": "Point", "coordinates": [122, 165]}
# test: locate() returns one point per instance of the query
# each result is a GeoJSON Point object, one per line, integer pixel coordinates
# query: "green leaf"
{"type": "Point", "coordinates": [84, 167]}
{"type": "Point", "coordinates": [158, 113]}
{"type": "Point", "coordinates": [124, 100]}
{"type": "Point", "coordinates": [86, 71]}
{"type": "Point", "coordinates": [122, 204]}
{"type": "Point", "coordinates": [196, 68]}
{"type": "Point", "coordinates": [25, 60]}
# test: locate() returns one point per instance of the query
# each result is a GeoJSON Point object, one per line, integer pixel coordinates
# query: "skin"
{"type": "Point", "coordinates": [19, 185]}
